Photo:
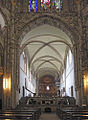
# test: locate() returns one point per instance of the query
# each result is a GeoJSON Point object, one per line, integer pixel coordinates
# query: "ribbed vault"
{"type": "Point", "coordinates": [46, 46]}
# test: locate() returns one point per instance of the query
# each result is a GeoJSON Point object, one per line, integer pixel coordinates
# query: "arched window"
{"type": "Point", "coordinates": [70, 57]}
{"type": "Point", "coordinates": [24, 63]}
{"type": "Point", "coordinates": [45, 4]}
{"type": "Point", "coordinates": [57, 4]}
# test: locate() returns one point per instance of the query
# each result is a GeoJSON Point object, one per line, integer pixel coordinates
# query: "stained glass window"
{"type": "Point", "coordinates": [33, 5]}
{"type": "Point", "coordinates": [57, 4]}
{"type": "Point", "coordinates": [45, 4]}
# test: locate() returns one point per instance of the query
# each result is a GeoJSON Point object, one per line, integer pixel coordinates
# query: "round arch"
{"type": "Point", "coordinates": [5, 14]}
{"type": "Point", "coordinates": [50, 20]}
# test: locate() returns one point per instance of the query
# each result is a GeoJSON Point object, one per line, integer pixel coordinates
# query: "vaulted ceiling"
{"type": "Point", "coordinates": [46, 46]}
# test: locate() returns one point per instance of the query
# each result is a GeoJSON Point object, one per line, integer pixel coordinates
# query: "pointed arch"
{"type": "Point", "coordinates": [48, 62]}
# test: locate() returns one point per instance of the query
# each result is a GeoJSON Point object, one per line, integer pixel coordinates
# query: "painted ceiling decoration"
{"type": "Point", "coordinates": [47, 46]}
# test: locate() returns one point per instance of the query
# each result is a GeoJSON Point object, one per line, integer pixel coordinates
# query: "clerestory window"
{"type": "Point", "coordinates": [35, 5]}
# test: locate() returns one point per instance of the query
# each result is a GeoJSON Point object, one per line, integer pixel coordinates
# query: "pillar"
{"type": "Point", "coordinates": [78, 76]}
{"type": "Point", "coordinates": [65, 6]}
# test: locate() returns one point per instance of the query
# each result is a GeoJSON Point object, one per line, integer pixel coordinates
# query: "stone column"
{"type": "Point", "coordinates": [77, 74]}
{"type": "Point", "coordinates": [65, 6]}
{"type": "Point", "coordinates": [10, 95]}
{"type": "Point", "coordinates": [7, 71]}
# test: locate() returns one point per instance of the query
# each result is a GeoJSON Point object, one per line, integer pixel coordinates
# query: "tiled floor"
{"type": "Point", "coordinates": [49, 116]}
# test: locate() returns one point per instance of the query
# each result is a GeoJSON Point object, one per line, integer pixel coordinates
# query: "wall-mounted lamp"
{"type": "Point", "coordinates": [6, 83]}
{"type": "Point", "coordinates": [85, 81]}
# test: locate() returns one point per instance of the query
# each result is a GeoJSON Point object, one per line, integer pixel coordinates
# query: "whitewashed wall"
{"type": "Point", "coordinates": [30, 84]}
{"type": "Point", "coordinates": [62, 84]}
{"type": "Point", "coordinates": [68, 80]}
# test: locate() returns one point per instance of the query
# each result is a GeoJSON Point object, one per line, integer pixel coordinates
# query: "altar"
{"type": "Point", "coordinates": [50, 104]}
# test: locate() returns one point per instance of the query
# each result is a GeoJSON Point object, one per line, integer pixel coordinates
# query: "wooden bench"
{"type": "Point", "coordinates": [10, 115]}
{"type": "Point", "coordinates": [37, 112]}
{"type": "Point", "coordinates": [63, 115]}
{"type": "Point", "coordinates": [20, 114]}
{"type": "Point", "coordinates": [78, 114]}
{"type": "Point", "coordinates": [72, 114]}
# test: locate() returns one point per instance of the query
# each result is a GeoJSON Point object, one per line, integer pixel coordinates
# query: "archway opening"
{"type": "Point", "coordinates": [47, 63]}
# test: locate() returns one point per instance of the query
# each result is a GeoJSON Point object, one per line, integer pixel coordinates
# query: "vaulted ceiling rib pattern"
{"type": "Point", "coordinates": [47, 47]}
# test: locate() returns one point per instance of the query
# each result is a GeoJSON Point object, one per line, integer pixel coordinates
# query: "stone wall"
{"type": "Point", "coordinates": [73, 20]}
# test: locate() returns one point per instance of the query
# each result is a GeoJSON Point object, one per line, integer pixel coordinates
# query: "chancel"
{"type": "Point", "coordinates": [44, 59]}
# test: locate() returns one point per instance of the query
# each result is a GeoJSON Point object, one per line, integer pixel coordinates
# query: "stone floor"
{"type": "Point", "coordinates": [49, 116]}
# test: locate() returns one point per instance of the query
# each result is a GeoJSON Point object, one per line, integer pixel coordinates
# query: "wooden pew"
{"type": "Point", "coordinates": [20, 114]}
{"type": "Point", "coordinates": [37, 112]}
{"type": "Point", "coordinates": [13, 115]}
{"type": "Point", "coordinates": [63, 115]}
{"type": "Point", "coordinates": [78, 114]}
{"type": "Point", "coordinates": [72, 114]}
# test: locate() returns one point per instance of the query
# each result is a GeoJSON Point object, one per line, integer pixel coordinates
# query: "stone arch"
{"type": "Point", "coordinates": [1, 56]}
{"type": "Point", "coordinates": [5, 14]}
{"type": "Point", "coordinates": [50, 20]}
{"type": "Point", "coordinates": [53, 21]}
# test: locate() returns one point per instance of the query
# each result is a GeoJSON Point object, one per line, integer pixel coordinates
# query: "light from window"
{"type": "Point", "coordinates": [48, 88]}
{"type": "Point", "coordinates": [24, 63]}
{"type": "Point", "coordinates": [33, 5]}
{"type": "Point", "coordinates": [45, 5]}
{"type": "Point", "coordinates": [57, 4]}
{"type": "Point", "coordinates": [70, 57]}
